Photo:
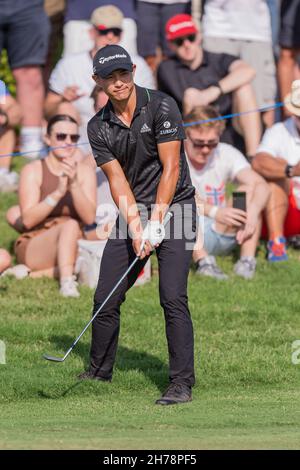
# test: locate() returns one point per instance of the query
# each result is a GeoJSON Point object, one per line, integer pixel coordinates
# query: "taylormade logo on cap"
{"type": "Point", "coordinates": [110, 58]}
{"type": "Point", "coordinates": [102, 60]}
{"type": "Point", "coordinates": [185, 24]}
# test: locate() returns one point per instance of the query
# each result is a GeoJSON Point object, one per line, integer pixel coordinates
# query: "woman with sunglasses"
{"type": "Point", "coordinates": [57, 196]}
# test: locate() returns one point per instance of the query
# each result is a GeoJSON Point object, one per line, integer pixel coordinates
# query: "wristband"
{"type": "Point", "coordinates": [213, 212]}
{"type": "Point", "coordinates": [288, 171]}
{"type": "Point", "coordinates": [50, 201]}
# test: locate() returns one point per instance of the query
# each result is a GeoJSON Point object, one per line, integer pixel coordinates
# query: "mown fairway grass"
{"type": "Point", "coordinates": [247, 391]}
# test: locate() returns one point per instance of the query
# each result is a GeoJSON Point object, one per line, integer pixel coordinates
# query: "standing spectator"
{"type": "Point", "coordinates": [212, 166]}
{"type": "Point", "coordinates": [71, 83]}
{"type": "Point", "coordinates": [196, 77]}
{"type": "Point", "coordinates": [243, 29]}
{"type": "Point", "coordinates": [289, 40]}
{"type": "Point", "coordinates": [56, 196]}
{"type": "Point", "coordinates": [274, 7]}
{"type": "Point", "coordinates": [278, 160]}
{"type": "Point", "coordinates": [152, 16]}
{"type": "Point", "coordinates": [10, 116]}
{"type": "Point", "coordinates": [55, 11]}
{"type": "Point", "coordinates": [24, 31]}
{"type": "Point", "coordinates": [77, 24]}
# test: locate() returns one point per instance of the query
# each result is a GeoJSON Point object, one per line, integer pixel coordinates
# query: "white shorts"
{"type": "Point", "coordinates": [259, 55]}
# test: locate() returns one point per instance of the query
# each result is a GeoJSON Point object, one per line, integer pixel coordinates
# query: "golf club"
{"type": "Point", "coordinates": [61, 359]}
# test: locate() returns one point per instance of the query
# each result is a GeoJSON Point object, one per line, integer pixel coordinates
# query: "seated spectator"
{"type": "Point", "coordinates": [10, 117]}
{"type": "Point", "coordinates": [289, 41]}
{"type": "Point", "coordinates": [71, 82]}
{"type": "Point", "coordinates": [24, 33]}
{"type": "Point", "coordinates": [278, 160]}
{"type": "Point", "coordinates": [57, 196]}
{"type": "Point", "coordinates": [152, 16]}
{"type": "Point", "coordinates": [196, 77]}
{"type": "Point", "coordinates": [212, 165]}
{"type": "Point", "coordinates": [77, 25]}
{"type": "Point", "coordinates": [5, 260]}
{"type": "Point", "coordinates": [243, 29]}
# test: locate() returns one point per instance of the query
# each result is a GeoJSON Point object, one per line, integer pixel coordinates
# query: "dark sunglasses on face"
{"type": "Point", "coordinates": [61, 137]}
{"type": "Point", "coordinates": [179, 41]}
{"type": "Point", "coordinates": [114, 31]}
{"type": "Point", "coordinates": [200, 144]}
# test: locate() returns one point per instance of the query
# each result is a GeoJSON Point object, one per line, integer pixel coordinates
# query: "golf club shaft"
{"type": "Point", "coordinates": [166, 220]}
{"type": "Point", "coordinates": [102, 305]}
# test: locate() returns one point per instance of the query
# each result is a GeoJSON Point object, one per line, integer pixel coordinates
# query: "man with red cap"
{"type": "Point", "coordinates": [196, 77]}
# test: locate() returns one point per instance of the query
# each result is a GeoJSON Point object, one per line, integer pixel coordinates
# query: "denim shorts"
{"type": "Point", "coordinates": [24, 32]}
{"type": "Point", "coordinates": [216, 243]}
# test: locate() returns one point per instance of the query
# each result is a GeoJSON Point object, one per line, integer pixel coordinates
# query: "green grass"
{"type": "Point", "coordinates": [247, 392]}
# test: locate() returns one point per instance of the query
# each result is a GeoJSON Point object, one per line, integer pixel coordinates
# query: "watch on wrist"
{"type": "Point", "coordinates": [288, 171]}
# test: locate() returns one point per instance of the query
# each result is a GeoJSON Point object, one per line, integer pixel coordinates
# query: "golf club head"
{"type": "Point", "coordinates": [53, 359]}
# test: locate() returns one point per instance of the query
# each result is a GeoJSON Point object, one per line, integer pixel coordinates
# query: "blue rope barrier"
{"type": "Point", "coordinates": [229, 116]}
{"type": "Point", "coordinates": [45, 150]}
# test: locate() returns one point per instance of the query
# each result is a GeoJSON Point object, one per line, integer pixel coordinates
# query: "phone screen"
{"type": "Point", "coordinates": [239, 200]}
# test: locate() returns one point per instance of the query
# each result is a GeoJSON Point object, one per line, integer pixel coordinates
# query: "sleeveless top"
{"type": "Point", "coordinates": [49, 184]}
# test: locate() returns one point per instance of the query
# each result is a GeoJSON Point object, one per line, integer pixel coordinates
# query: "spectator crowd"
{"type": "Point", "coordinates": [233, 58]}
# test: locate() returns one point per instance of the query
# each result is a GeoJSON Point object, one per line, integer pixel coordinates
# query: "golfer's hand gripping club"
{"type": "Point", "coordinates": [154, 232]}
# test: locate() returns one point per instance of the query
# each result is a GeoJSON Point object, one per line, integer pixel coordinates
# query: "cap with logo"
{"type": "Point", "coordinates": [107, 17]}
{"type": "Point", "coordinates": [292, 100]}
{"type": "Point", "coordinates": [179, 26]}
{"type": "Point", "coordinates": [111, 58]}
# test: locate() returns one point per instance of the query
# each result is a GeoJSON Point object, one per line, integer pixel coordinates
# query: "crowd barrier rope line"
{"type": "Point", "coordinates": [45, 150]}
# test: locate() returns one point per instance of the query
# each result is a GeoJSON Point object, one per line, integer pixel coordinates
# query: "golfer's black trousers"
{"type": "Point", "coordinates": [174, 257]}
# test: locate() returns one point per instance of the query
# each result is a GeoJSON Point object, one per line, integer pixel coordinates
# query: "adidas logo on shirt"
{"type": "Point", "coordinates": [145, 128]}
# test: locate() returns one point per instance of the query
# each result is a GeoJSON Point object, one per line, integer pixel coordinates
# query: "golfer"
{"type": "Point", "coordinates": [137, 140]}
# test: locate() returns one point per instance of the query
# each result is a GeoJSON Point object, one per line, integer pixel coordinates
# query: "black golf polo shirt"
{"type": "Point", "coordinates": [156, 120]}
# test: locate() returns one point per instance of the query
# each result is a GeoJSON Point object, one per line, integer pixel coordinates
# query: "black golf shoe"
{"type": "Point", "coordinates": [87, 375]}
{"type": "Point", "coordinates": [175, 393]}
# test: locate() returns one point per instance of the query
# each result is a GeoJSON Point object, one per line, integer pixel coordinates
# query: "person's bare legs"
{"type": "Point", "coordinates": [30, 95]}
{"type": "Point", "coordinates": [7, 145]}
{"type": "Point", "coordinates": [5, 260]}
{"type": "Point", "coordinates": [277, 207]}
{"type": "Point", "coordinates": [250, 124]}
{"type": "Point", "coordinates": [61, 244]}
{"type": "Point", "coordinates": [268, 118]}
{"type": "Point", "coordinates": [286, 72]}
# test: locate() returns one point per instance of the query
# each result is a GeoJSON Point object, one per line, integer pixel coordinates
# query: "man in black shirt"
{"type": "Point", "coordinates": [137, 139]}
{"type": "Point", "coordinates": [195, 77]}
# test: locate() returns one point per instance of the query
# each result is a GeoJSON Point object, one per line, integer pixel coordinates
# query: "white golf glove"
{"type": "Point", "coordinates": [154, 232]}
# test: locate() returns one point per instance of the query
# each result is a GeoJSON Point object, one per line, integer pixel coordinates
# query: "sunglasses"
{"type": "Point", "coordinates": [61, 137]}
{"type": "Point", "coordinates": [114, 31]}
{"type": "Point", "coordinates": [179, 41]}
{"type": "Point", "coordinates": [211, 144]}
